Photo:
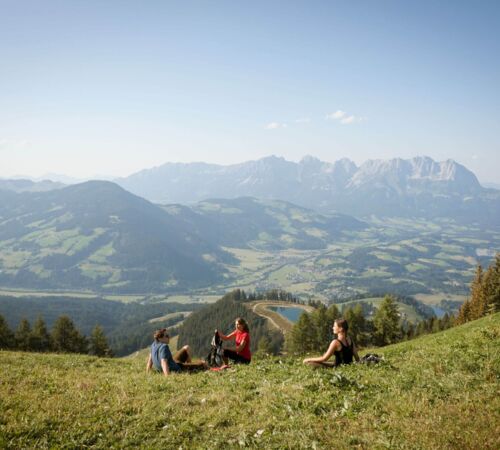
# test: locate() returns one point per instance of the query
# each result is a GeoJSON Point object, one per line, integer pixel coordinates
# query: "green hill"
{"type": "Point", "coordinates": [439, 391]}
{"type": "Point", "coordinates": [99, 237]}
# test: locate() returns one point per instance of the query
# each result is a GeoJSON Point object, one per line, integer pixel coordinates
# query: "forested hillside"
{"type": "Point", "coordinates": [97, 236]}
{"type": "Point", "coordinates": [197, 330]}
{"type": "Point", "coordinates": [127, 326]}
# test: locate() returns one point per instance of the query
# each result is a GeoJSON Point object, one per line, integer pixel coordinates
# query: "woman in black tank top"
{"type": "Point", "coordinates": [343, 348]}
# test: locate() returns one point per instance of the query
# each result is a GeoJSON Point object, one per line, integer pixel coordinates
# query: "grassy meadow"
{"type": "Point", "coordinates": [438, 391]}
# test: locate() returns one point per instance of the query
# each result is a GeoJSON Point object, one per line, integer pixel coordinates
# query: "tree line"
{"type": "Point", "coordinates": [128, 326]}
{"type": "Point", "coordinates": [64, 337]}
{"type": "Point", "coordinates": [484, 294]}
{"type": "Point", "coordinates": [313, 331]}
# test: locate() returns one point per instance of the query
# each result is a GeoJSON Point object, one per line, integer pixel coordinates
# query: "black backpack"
{"type": "Point", "coordinates": [371, 358]}
{"type": "Point", "coordinates": [214, 358]}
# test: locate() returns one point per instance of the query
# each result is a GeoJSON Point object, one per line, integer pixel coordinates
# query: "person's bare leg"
{"type": "Point", "coordinates": [317, 365]}
{"type": "Point", "coordinates": [183, 355]}
{"type": "Point", "coordinates": [188, 351]}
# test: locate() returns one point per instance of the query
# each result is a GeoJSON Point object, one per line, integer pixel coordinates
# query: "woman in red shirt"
{"type": "Point", "coordinates": [241, 335]}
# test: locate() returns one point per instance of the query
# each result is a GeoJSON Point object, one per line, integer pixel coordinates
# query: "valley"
{"type": "Point", "coordinates": [197, 253]}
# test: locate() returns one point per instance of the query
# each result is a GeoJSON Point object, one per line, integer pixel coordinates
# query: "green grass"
{"type": "Point", "coordinates": [439, 391]}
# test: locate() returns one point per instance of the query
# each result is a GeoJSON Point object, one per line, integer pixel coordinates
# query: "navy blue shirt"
{"type": "Point", "coordinates": [160, 351]}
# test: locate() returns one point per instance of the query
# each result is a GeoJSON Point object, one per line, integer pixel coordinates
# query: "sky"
{"type": "Point", "coordinates": [91, 88]}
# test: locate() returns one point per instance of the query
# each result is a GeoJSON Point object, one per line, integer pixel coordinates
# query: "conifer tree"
{"type": "Point", "coordinates": [356, 320]}
{"type": "Point", "coordinates": [463, 313]}
{"type": "Point", "coordinates": [491, 283]}
{"type": "Point", "coordinates": [66, 338]}
{"type": "Point", "coordinates": [477, 295]}
{"type": "Point", "coordinates": [23, 335]}
{"type": "Point", "coordinates": [446, 321]}
{"type": "Point", "coordinates": [7, 340]}
{"type": "Point", "coordinates": [98, 343]}
{"type": "Point", "coordinates": [40, 338]}
{"type": "Point", "coordinates": [264, 346]}
{"type": "Point", "coordinates": [301, 338]}
{"type": "Point", "coordinates": [386, 321]}
{"type": "Point", "coordinates": [332, 313]}
{"type": "Point", "coordinates": [321, 329]}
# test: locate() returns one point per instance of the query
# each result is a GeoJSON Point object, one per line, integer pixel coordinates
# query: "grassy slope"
{"type": "Point", "coordinates": [439, 391]}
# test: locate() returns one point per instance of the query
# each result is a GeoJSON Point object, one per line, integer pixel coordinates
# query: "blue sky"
{"type": "Point", "coordinates": [92, 87]}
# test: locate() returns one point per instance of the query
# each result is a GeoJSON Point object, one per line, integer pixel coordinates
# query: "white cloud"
{"type": "Point", "coordinates": [475, 157]}
{"type": "Point", "coordinates": [347, 120]}
{"type": "Point", "coordinates": [336, 115]}
{"type": "Point", "coordinates": [343, 117]}
{"type": "Point", "coordinates": [275, 125]}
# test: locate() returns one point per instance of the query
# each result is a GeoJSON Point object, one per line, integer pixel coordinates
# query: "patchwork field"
{"type": "Point", "coordinates": [432, 260]}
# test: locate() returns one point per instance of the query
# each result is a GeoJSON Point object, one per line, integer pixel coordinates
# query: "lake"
{"type": "Point", "coordinates": [292, 313]}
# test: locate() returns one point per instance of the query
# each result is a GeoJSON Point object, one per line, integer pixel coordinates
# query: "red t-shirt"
{"type": "Point", "coordinates": [239, 337]}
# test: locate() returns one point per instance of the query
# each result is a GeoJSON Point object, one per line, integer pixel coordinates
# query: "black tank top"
{"type": "Point", "coordinates": [344, 355]}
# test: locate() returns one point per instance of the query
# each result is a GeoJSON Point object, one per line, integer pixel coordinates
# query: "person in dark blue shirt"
{"type": "Point", "coordinates": [161, 358]}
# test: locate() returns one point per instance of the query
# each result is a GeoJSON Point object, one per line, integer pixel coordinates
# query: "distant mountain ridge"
{"type": "Point", "coordinates": [97, 236]}
{"type": "Point", "coordinates": [25, 185]}
{"type": "Point", "coordinates": [416, 187]}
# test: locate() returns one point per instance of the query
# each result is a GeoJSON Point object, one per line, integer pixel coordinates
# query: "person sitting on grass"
{"type": "Point", "coordinates": [241, 353]}
{"type": "Point", "coordinates": [161, 358]}
{"type": "Point", "coordinates": [343, 348]}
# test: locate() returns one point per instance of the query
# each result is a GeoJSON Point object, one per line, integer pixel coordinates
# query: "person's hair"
{"type": "Point", "coordinates": [158, 334]}
{"type": "Point", "coordinates": [244, 323]}
{"type": "Point", "coordinates": [342, 323]}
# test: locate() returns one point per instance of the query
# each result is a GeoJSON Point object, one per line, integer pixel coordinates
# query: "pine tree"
{"type": "Point", "coordinates": [98, 343]}
{"type": "Point", "coordinates": [386, 321]}
{"type": "Point", "coordinates": [492, 287]}
{"type": "Point", "coordinates": [22, 336]}
{"type": "Point", "coordinates": [322, 329]}
{"type": "Point", "coordinates": [356, 321]}
{"type": "Point", "coordinates": [301, 339]}
{"type": "Point", "coordinates": [463, 313]}
{"type": "Point", "coordinates": [264, 346]}
{"type": "Point", "coordinates": [332, 313]}
{"type": "Point", "coordinates": [477, 295]}
{"type": "Point", "coordinates": [66, 338]}
{"type": "Point", "coordinates": [7, 340]}
{"type": "Point", "coordinates": [40, 337]}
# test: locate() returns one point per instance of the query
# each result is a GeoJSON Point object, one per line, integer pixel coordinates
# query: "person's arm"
{"type": "Point", "coordinates": [149, 364]}
{"type": "Point", "coordinates": [331, 349]}
{"type": "Point", "coordinates": [240, 347]}
{"type": "Point", "coordinates": [165, 368]}
{"type": "Point", "coordinates": [228, 337]}
{"type": "Point", "coordinates": [355, 352]}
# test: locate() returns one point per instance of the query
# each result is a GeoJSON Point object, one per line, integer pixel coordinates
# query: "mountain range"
{"type": "Point", "coordinates": [418, 187]}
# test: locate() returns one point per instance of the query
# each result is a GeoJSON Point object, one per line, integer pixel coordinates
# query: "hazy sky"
{"type": "Point", "coordinates": [112, 87]}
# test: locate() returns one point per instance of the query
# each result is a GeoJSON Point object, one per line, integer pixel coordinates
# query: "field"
{"type": "Point", "coordinates": [438, 391]}
{"type": "Point", "coordinates": [398, 256]}
{"type": "Point", "coordinates": [432, 260]}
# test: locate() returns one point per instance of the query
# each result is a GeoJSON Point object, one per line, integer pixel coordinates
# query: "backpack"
{"type": "Point", "coordinates": [371, 358]}
{"type": "Point", "coordinates": [214, 358]}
